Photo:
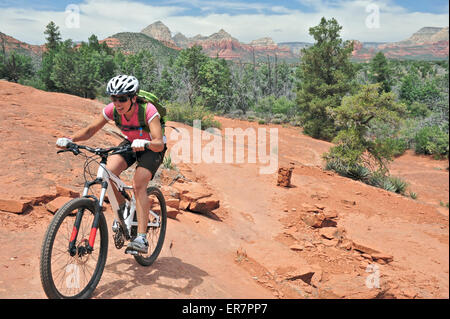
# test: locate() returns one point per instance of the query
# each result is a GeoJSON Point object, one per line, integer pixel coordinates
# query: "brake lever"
{"type": "Point", "coordinates": [123, 150]}
{"type": "Point", "coordinates": [75, 151]}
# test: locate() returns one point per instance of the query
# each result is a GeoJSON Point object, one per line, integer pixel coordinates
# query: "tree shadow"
{"type": "Point", "coordinates": [137, 275]}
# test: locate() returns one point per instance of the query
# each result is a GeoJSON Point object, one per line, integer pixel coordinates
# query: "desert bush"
{"type": "Point", "coordinates": [186, 114]}
{"type": "Point", "coordinates": [394, 146]}
{"type": "Point", "coordinates": [432, 141]}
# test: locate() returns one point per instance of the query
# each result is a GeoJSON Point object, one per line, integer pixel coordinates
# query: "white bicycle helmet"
{"type": "Point", "coordinates": [122, 85]}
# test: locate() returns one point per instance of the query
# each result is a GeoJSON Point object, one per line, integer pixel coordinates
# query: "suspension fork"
{"type": "Point", "coordinates": [80, 213]}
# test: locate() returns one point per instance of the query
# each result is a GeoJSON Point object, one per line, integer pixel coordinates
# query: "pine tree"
{"type": "Point", "coordinates": [187, 67]}
{"type": "Point", "coordinates": [52, 46]}
{"type": "Point", "coordinates": [325, 75]}
{"type": "Point", "coordinates": [53, 36]}
{"type": "Point", "coordinates": [380, 72]}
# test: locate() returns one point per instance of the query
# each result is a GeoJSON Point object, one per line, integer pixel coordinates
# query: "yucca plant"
{"type": "Point", "coordinates": [167, 162]}
{"type": "Point", "coordinates": [398, 184]}
{"type": "Point", "coordinates": [388, 185]}
{"type": "Point", "coordinates": [359, 173]}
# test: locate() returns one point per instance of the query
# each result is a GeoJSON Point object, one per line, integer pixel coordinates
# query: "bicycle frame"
{"type": "Point", "coordinates": [105, 177]}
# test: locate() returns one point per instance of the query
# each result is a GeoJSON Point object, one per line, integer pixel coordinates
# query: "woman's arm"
{"type": "Point", "coordinates": [157, 143]}
{"type": "Point", "coordinates": [88, 132]}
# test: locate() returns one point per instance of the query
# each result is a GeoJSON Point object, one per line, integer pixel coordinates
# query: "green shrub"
{"type": "Point", "coordinates": [185, 114]}
{"type": "Point", "coordinates": [271, 105]}
{"type": "Point", "coordinates": [418, 109]}
{"type": "Point", "coordinates": [236, 114]}
{"type": "Point", "coordinates": [34, 81]}
{"type": "Point", "coordinates": [276, 121]}
{"type": "Point", "coordinates": [431, 140]}
{"type": "Point", "coordinates": [395, 146]}
{"type": "Point", "coordinates": [282, 105]}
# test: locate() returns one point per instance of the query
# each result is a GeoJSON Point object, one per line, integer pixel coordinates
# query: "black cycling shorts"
{"type": "Point", "coordinates": [147, 159]}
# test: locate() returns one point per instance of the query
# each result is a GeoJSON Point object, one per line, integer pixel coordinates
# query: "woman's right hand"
{"type": "Point", "coordinates": [62, 142]}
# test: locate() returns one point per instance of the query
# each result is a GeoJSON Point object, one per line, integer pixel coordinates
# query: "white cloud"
{"type": "Point", "coordinates": [104, 18]}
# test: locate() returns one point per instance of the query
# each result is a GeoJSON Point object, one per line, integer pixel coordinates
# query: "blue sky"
{"type": "Point", "coordinates": [428, 6]}
{"type": "Point", "coordinates": [283, 20]}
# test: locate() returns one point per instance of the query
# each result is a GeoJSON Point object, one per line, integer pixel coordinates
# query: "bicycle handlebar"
{"type": "Point", "coordinates": [103, 152]}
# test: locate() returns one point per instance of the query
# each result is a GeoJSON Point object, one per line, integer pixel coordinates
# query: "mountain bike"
{"type": "Point", "coordinates": [75, 245]}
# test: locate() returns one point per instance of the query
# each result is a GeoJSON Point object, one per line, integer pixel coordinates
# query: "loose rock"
{"type": "Point", "coordinates": [284, 176]}
{"type": "Point", "coordinates": [328, 232]}
{"type": "Point", "coordinates": [204, 205]}
{"type": "Point", "coordinates": [14, 206]}
{"type": "Point", "coordinates": [56, 204]}
{"type": "Point", "coordinates": [296, 247]}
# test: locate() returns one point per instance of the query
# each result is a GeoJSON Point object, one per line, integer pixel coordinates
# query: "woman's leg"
{"type": "Point", "coordinates": [117, 165]}
{"type": "Point", "coordinates": [141, 178]}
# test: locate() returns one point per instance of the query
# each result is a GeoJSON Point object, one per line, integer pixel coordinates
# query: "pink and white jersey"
{"type": "Point", "coordinates": [152, 112]}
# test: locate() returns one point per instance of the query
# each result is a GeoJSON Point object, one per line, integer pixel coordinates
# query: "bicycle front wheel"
{"type": "Point", "coordinates": [75, 272]}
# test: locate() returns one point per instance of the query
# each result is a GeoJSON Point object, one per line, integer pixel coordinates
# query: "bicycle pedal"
{"type": "Point", "coordinates": [131, 252]}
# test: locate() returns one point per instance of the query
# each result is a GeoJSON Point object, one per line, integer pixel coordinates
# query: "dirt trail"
{"type": "Point", "coordinates": [256, 245]}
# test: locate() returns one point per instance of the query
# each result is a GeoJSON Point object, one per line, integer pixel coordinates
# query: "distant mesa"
{"type": "Point", "coordinates": [427, 35]}
{"type": "Point", "coordinates": [222, 44]}
{"type": "Point", "coordinates": [428, 43]}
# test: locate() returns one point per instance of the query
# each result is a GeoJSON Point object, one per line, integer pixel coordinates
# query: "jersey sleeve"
{"type": "Point", "coordinates": [151, 113]}
{"type": "Point", "coordinates": [108, 112]}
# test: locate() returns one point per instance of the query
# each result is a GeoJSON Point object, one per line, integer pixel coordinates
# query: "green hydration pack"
{"type": "Point", "coordinates": [143, 125]}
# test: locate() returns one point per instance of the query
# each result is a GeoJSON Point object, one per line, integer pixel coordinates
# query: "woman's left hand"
{"type": "Point", "coordinates": [139, 145]}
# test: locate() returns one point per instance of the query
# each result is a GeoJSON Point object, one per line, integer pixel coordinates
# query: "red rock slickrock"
{"type": "Point", "coordinates": [325, 237]}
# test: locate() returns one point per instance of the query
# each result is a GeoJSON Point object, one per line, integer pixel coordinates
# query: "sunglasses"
{"type": "Point", "coordinates": [121, 99]}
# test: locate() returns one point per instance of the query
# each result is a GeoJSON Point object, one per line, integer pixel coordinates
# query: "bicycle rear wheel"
{"type": "Point", "coordinates": [157, 232]}
{"type": "Point", "coordinates": [76, 273]}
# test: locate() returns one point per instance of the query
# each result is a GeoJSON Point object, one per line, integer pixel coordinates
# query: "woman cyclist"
{"type": "Point", "coordinates": [148, 147]}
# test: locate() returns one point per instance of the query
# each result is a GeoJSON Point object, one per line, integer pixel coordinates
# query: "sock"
{"type": "Point", "coordinates": [142, 236]}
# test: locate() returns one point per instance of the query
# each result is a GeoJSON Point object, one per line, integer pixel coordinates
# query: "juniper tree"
{"type": "Point", "coordinates": [325, 74]}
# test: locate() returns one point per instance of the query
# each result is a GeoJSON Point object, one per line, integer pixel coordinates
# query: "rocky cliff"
{"type": "Point", "coordinates": [427, 35]}
{"type": "Point", "coordinates": [429, 43]}
{"type": "Point", "coordinates": [160, 32]}
{"type": "Point", "coordinates": [9, 44]}
{"type": "Point", "coordinates": [222, 44]}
